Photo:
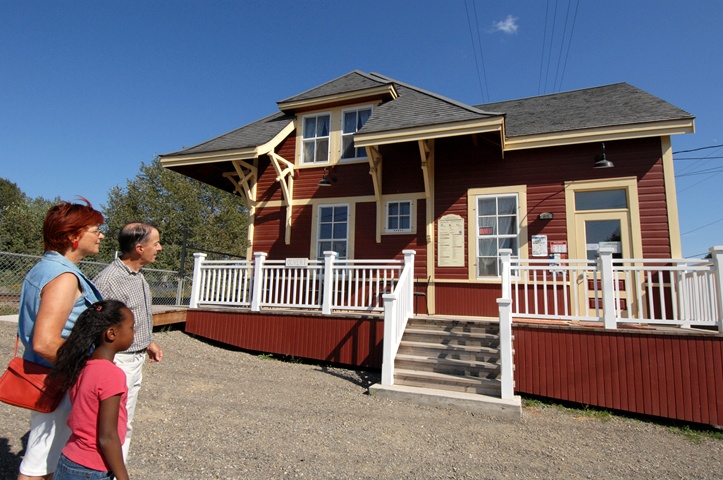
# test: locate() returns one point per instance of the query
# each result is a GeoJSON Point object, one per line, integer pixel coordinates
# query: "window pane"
{"type": "Point", "coordinates": [363, 117]}
{"type": "Point", "coordinates": [404, 208]}
{"type": "Point", "coordinates": [340, 214]}
{"type": "Point", "coordinates": [602, 199]}
{"type": "Point", "coordinates": [393, 208]}
{"type": "Point", "coordinates": [325, 230]}
{"type": "Point", "coordinates": [309, 127]}
{"type": "Point", "coordinates": [322, 152]}
{"type": "Point", "coordinates": [486, 206]}
{"type": "Point", "coordinates": [309, 151]}
{"type": "Point", "coordinates": [347, 147]}
{"type": "Point", "coordinates": [507, 226]}
{"type": "Point", "coordinates": [349, 122]}
{"type": "Point", "coordinates": [404, 223]}
{"type": "Point", "coordinates": [487, 266]}
{"type": "Point", "coordinates": [324, 247]}
{"type": "Point", "coordinates": [325, 214]}
{"type": "Point", "coordinates": [510, 243]}
{"type": "Point", "coordinates": [339, 230]}
{"type": "Point", "coordinates": [393, 223]}
{"type": "Point", "coordinates": [507, 205]}
{"type": "Point", "coordinates": [322, 126]}
{"type": "Point", "coordinates": [487, 246]}
{"type": "Point", "coordinates": [487, 225]}
{"type": "Point", "coordinates": [340, 248]}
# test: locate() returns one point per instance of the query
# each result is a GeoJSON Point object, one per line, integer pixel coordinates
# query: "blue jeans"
{"type": "Point", "coordinates": [69, 470]}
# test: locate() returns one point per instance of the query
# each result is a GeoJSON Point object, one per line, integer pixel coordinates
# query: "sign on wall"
{"type": "Point", "coordinates": [450, 241]}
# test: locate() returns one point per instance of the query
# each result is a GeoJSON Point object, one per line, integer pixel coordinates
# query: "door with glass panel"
{"type": "Point", "coordinates": [602, 220]}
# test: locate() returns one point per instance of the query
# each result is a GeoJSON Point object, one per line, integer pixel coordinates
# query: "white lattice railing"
{"type": "Point", "coordinates": [328, 284]}
{"type": "Point", "coordinates": [657, 291]}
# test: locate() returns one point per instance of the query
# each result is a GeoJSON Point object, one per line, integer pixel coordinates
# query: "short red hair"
{"type": "Point", "coordinates": [65, 220]}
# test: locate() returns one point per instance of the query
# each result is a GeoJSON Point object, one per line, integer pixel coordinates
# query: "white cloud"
{"type": "Point", "coordinates": [508, 25]}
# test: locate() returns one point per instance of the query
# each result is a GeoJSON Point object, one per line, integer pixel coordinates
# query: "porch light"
{"type": "Point", "coordinates": [601, 160]}
{"type": "Point", "coordinates": [326, 179]}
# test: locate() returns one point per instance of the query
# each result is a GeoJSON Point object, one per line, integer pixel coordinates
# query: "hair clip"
{"type": "Point", "coordinates": [99, 308]}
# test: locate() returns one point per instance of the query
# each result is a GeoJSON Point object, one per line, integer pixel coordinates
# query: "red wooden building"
{"type": "Point", "coordinates": [368, 166]}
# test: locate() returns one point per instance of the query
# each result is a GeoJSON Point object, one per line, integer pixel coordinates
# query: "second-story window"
{"type": "Point", "coordinates": [316, 138]}
{"type": "Point", "coordinates": [352, 121]}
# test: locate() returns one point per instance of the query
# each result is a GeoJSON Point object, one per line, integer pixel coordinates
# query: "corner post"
{"type": "Point", "coordinates": [507, 365]}
{"type": "Point", "coordinates": [716, 254]}
{"type": "Point", "coordinates": [607, 288]}
{"type": "Point", "coordinates": [326, 302]}
{"type": "Point", "coordinates": [198, 259]}
{"type": "Point", "coordinates": [409, 266]}
{"type": "Point", "coordinates": [259, 259]}
{"type": "Point", "coordinates": [390, 327]}
{"type": "Point", "coordinates": [506, 259]}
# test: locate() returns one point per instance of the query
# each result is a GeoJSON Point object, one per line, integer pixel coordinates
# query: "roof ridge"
{"type": "Point", "coordinates": [470, 108]}
{"type": "Point", "coordinates": [358, 72]}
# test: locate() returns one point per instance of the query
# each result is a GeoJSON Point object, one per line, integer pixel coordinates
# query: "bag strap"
{"type": "Point", "coordinates": [17, 340]}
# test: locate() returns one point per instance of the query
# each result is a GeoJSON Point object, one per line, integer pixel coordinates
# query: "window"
{"type": "Point", "coordinates": [332, 233]}
{"type": "Point", "coordinates": [497, 228]}
{"type": "Point", "coordinates": [316, 138]}
{"type": "Point", "coordinates": [399, 216]}
{"type": "Point", "coordinates": [352, 121]}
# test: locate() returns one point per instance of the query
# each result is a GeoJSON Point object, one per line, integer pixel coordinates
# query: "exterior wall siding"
{"type": "Point", "coordinates": [678, 376]}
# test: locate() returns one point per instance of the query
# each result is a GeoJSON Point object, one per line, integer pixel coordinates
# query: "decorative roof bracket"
{"type": "Point", "coordinates": [285, 177]}
{"type": "Point", "coordinates": [426, 151]}
{"type": "Point", "coordinates": [375, 170]}
{"type": "Point", "coordinates": [245, 186]}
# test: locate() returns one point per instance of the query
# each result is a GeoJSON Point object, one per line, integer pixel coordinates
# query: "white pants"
{"type": "Point", "coordinates": [48, 434]}
{"type": "Point", "coordinates": [132, 365]}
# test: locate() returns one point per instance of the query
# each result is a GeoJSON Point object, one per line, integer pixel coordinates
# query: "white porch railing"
{"type": "Point", "coordinates": [398, 308]}
{"type": "Point", "coordinates": [328, 284]}
{"type": "Point", "coordinates": [615, 291]}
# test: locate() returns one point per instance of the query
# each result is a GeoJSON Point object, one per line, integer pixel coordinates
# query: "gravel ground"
{"type": "Point", "coordinates": [208, 411]}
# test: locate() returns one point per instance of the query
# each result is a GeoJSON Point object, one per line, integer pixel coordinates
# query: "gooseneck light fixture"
{"type": "Point", "coordinates": [326, 179]}
{"type": "Point", "coordinates": [601, 160]}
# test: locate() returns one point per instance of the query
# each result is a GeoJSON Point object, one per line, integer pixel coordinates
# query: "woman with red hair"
{"type": "Point", "coordinates": [53, 295]}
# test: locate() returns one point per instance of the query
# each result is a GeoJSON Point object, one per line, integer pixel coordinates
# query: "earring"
{"type": "Point", "coordinates": [75, 245]}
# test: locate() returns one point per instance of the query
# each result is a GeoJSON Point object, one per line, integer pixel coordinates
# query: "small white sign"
{"type": "Point", "coordinates": [539, 245]}
{"type": "Point", "coordinates": [297, 262]}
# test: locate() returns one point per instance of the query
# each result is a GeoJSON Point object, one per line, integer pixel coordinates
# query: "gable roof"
{"type": "Point", "coordinates": [607, 106]}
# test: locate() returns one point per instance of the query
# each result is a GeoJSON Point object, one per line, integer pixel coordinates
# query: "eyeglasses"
{"type": "Point", "coordinates": [96, 232]}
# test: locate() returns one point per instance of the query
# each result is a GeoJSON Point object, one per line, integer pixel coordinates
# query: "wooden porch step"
{"type": "Point", "coordinates": [454, 326]}
{"type": "Point", "coordinates": [451, 351]}
{"type": "Point", "coordinates": [451, 337]}
{"type": "Point", "coordinates": [448, 366]}
{"type": "Point", "coordinates": [441, 381]}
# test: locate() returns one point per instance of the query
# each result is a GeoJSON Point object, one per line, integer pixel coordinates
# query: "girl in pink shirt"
{"type": "Point", "coordinates": [97, 391]}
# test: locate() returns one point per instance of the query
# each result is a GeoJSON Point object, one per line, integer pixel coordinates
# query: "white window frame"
{"type": "Point", "coordinates": [387, 216]}
{"type": "Point", "coordinates": [520, 191]}
{"type": "Point", "coordinates": [343, 135]}
{"type": "Point", "coordinates": [317, 248]}
{"type": "Point", "coordinates": [316, 139]}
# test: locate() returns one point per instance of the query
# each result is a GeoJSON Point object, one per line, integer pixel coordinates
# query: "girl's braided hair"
{"type": "Point", "coordinates": [87, 334]}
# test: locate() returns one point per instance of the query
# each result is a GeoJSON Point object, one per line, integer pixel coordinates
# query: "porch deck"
{"type": "Point", "coordinates": [661, 371]}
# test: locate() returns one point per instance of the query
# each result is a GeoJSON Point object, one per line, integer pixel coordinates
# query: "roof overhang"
{"type": "Point", "coordinates": [228, 155]}
{"type": "Point", "coordinates": [619, 132]}
{"type": "Point", "coordinates": [493, 124]}
{"type": "Point", "coordinates": [381, 92]}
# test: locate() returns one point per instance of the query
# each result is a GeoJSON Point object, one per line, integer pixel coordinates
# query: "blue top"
{"type": "Point", "coordinates": [48, 268]}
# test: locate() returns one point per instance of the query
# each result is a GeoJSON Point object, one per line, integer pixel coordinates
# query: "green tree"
{"type": "Point", "coordinates": [21, 220]}
{"type": "Point", "coordinates": [212, 219]}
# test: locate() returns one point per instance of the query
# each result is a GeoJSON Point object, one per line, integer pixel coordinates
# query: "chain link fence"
{"type": "Point", "coordinates": [167, 286]}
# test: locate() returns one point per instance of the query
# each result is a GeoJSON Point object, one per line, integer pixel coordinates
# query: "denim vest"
{"type": "Point", "coordinates": [50, 266]}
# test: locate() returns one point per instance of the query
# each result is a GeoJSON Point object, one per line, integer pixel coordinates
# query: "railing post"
{"type": "Point", "coordinates": [409, 264]}
{"type": "Point", "coordinates": [716, 254]}
{"type": "Point", "coordinates": [507, 378]}
{"type": "Point", "coordinates": [326, 301]}
{"type": "Point", "coordinates": [390, 328]}
{"type": "Point", "coordinates": [506, 259]}
{"type": "Point", "coordinates": [607, 288]}
{"type": "Point", "coordinates": [259, 258]}
{"type": "Point", "coordinates": [198, 259]}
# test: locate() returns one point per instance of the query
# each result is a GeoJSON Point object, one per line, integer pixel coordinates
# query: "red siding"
{"type": "Point", "coordinates": [678, 376]}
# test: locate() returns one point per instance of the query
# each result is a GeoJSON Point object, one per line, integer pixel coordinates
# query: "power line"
{"type": "Point", "coordinates": [697, 149]}
{"type": "Point", "coordinates": [481, 52]}
{"type": "Point", "coordinates": [569, 42]}
{"type": "Point", "coordinates": [474, 50]}
{"type": "Point", "coordinates": [544, 41]}
{"type": "Point", "coordinates": [700, 228]}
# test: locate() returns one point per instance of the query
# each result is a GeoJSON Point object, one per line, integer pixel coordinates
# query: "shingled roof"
{"type": "Point", "coordinates": [607, 106]}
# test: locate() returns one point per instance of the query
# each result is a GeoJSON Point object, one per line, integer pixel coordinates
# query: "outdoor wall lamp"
{"type": "Point", "coordinates": [326, 179]}
{"type": "Point", "coordinates": [601, 160]}
{"type": "Point", "coordinates": [546, 216]}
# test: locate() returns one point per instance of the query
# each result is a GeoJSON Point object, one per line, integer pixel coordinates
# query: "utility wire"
{"type": "Point", "coordinates": [481, 52]}
{"type": "Point", "coordinates": [544, 41]}
{"type": "Point", "coordinates": [569, 42]}
{"type": "Point", "coordinates": [696, 149]}
{"type": "Point", "coordinates": [562, 45]}
{"type": "Point", "coordinates": [474, 50]}
{"type": "Point", "coordinates": [552, 38]}
{"type": "Point", "coordinates": [700, 228]}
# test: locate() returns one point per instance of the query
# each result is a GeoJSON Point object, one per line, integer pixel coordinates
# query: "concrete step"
{"type": "Point", "coordinates": [442, 381]}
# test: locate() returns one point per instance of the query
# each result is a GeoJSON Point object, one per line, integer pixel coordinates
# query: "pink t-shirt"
{"type": "Point", "coordinates": [99, 380]}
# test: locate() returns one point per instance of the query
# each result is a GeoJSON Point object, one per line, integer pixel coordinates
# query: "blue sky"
{"type": "Point", "coordinates": [89, 90]}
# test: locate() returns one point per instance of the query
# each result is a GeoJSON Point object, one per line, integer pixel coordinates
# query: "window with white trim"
{"type": "Point", "coordinates": [399, 216]}
{"type": "Point", "coordinates": [497, 228]}
{"type": "Point", "coordinates": [316, 133]}
{"type": "Point", "coordinates": [333, 230]}
{"type": "Point", "coordinates": [351, 122]}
